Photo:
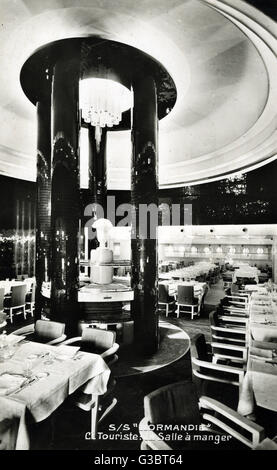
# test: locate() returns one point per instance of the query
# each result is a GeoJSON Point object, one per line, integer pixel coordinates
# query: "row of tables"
{"type": "Point", "coordinates": [259, 386]}
{"type": "Point", "coordinates": [189, 272]}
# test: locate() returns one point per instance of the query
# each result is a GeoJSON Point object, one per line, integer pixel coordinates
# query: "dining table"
{"type": "Point", "coordinates": [259, 386]}
{"type": "Point", "coordinates": [37, 378]}
{"type": "Point", "coordinates": [189, 272]}
{"type": "Point", "coordinates": [246, 272]}
{"type": "Point", "coordinates": [7, 284]}
{"type": "Point", "coordinates": [199, 288]}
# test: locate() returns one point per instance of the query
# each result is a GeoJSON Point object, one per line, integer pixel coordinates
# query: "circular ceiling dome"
{"type": "Point", "coordinates": [221, 56]}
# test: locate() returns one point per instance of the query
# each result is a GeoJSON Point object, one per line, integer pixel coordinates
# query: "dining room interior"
{"type": "Point", "coordinates": [138, 225]}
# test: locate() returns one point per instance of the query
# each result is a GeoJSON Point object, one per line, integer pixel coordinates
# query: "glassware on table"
{"type": "Point", "coordinates": [5, 349]}
{"type": "Point", "coordinates": [27, 368]}
{"type": "Point", "coordinates": [49, 358]}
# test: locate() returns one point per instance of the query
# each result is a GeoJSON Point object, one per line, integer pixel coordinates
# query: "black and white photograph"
{"type": "Point", "coordinates": [138, 228]}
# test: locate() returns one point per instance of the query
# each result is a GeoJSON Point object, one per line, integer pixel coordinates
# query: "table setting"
{"type": "Point", "coordinates": [41, 377]}
{"type": "Point", "coordinates": [259, 386]}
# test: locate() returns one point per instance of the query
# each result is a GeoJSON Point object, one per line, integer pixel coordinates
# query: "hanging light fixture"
{"type": "Point", "coordinates": [102, 102]}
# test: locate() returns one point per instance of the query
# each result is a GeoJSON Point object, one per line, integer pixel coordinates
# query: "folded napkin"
{"type": "Point", "coordinates": [10, 382]}
{"type": "Point", "coordinates": [66, 352]}
{"type": "Point", "coordinates": [13, 339]}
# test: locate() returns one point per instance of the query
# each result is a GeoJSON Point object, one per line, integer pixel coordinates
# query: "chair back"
{"type": "Point", "coordinates": [250, 280]}
{"type": "Point", "coordinates": [18, 295]}
{"type": "Point", "coordinates": [198, 347]}
{"type": "Point", "coordinates": [213, 316]}
{"type": "Point", "coordinates": [234, 288]}
{"type": "Point", "coordinates": [48, 330]}
{"type": "Point", "coordinates": [176, 402]}
{"type": "Point", "coordinates": [163, 293]}
{"type": "Point", "coordinates": [33, 292]}
{"type": "Point", "coordinates": [2, 293]}
{"type": "Point", "coordinates": [186, 295]}
{"type": "Point", "coordinates": [227, 277]}
{"type": "Point", "coordinates": [94, 339]}
{"type": "Point", "coordinates": [199, 350]}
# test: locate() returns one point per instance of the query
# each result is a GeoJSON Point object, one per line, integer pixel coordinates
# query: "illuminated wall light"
{"type": "Point", "coordinates": [260, 251]}
{"type": "Point", "coordinates": [84, 158]}
{"type": "Point", "coordinates": [207, 249]}
{"type": "Point", "coordinates": [219, 249]}
{"type": "Point", "coordinates": [245, 251]}
{"type": "Point", "coordinates": [193, 249]}
{"type": "Point", "coordinates": [232, 250]}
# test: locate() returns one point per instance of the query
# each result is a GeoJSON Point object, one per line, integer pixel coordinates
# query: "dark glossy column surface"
{"type": "Point", "coordinates": [43, 219]}
{"type": "Point", "coordinates": [144, 190]}
{"type": "Point", "coordinates": [65, 203]}
{"type": "Point", "coordinates": [97, 174]}
{"type": "Point", "coordinates": [97, 167]}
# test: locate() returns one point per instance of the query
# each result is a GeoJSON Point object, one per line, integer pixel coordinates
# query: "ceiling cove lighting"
{"type": "Point", "coordinates": [102, 102]}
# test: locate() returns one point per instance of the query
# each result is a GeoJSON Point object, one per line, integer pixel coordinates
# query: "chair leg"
{"type": "Point", "coordinates": [192, 312]}
{"type": "Point", "coordinates": [108, 410]}
{"type": "Point", "coordinates": [94, 418]}
{"type": "Point", "coordinates": [11, 315]}
{"type": "Point", "coordinates": [166, 310]}
{"type": "Point", "coordinates": [24, 312]}
{"type": "Point", "coordinates": [178, 311]}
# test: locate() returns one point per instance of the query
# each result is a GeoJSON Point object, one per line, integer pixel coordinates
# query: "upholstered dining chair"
{"type": "Point", "coordinates": [186, 300]}
{"type": "Point", "coordinates": [228, 343]}
{"type": "Point", "coordinates": [223, 331]}
{"type": "Point", "coordinates": [95, 340]}
{"type": "Point", "coordinates": [101, 342]}
{"type": "Point", "coordinates": [30, 300]}
{"type": "Point", "coordinates": [99, 406]}
{"type": "Point", "coordinates": [230, 307]}
{"type": "Point", "coordinates": [3, 315]}
{"type": "Point", "coordinates": [177, 404]}
{"type": "Point", "coordinates": [15, 304]}
{"type": "Point", "coordinates": [166, 300]}
{"type": "Point", "coordinates": [43, 331]}
{"type": "Point", "coordinates": [213, 375]}
{"type": "Point", "coordinates": [227, 280]}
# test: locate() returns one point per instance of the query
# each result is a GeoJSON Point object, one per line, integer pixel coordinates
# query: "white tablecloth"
{"type": "Point", "coordinates": [259, 387]}
{"type": "Point", "coordinates": [189, 272]}
{"type": "Point", "coordinates": [66, 375]}
{"type": "Point", "coordinates": [246, 273]}
{"type": "Point", "coordinates": [263, 317]}
{"type": "Point", "coordinates": [7, 285]}
{"type": "Point", "coordinates": [199, 288]}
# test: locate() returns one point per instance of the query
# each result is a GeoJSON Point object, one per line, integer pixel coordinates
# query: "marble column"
{"type": "Point", "coordinates": [144, 191]}
{"type": "Point", "coordinates": [97, 174]}
{"type": "Point", "coordinates": [98, 167]}
{"type": "Point", "coordinates": [65, 198]}
{"type": "Point", "coordinates": [43, 219]}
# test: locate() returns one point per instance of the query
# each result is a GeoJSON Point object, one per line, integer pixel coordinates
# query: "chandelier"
{"type": "Point", "coordinates": [102, 102]}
